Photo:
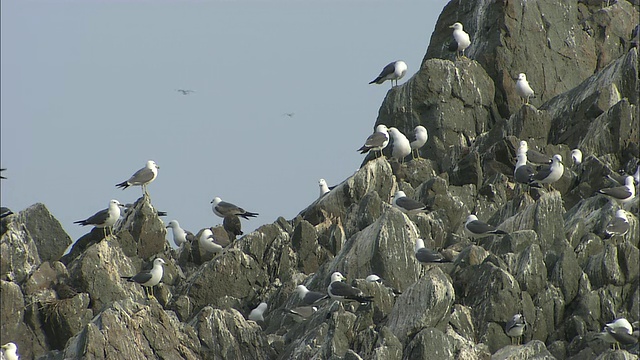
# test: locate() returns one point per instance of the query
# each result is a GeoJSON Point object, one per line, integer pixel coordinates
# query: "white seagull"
{"type": "Point", "coordinates": [622, 194]}
{"type": "Point", "coordinates": [142, 177]}
{"type": "Point", "coordinates": [524, 172]}
{"type": "Point", "coordinates": [309, 297]}
{"type": "Point", "coordinates": [515, 327]}
{"type": "Point", "coordinates": [615, 331]}
{"type": "Point", "coordinates": [222, 209]}
{"type": "Point", "coordinates": [479, 229]}
{"type": "Point", "coordinates": [10, 351]}
{"type": "Point", "coordinates": [376, 141]}
{"type": "Point", "coordinates": [551, 173]}
{"type": "Point", "coordinates": [523, 89]}
{"type": "Point", "coordinates": [104, 218]}
{"type": "Point", "coordinates": [338, 290]}
{"type": "Point", "coordinates": [619, 225]}
{"type": "Point", "coordinates": [408, 205]}
{"type": "Point", "coordinates": [427, 256]}
{"type": "Point", "coordinates": [393, 71]}
{"type": "Point", "coordinates": [180, 235]}
{"type": "Point", "coordinates": [576, 155]}
{"type": "Point", "coordinates": [149, 278]}
{"type": "Point", "coordinates": [461, 38]}
{"type": "Point", "coordinates": [302, 313]}
{"type": "Point", "coordinates": [419, 138]}
{"type": "Point", "coordinates": [207, 242]}
{"type": "Point", "coordinates": [324, 188]}
{"type": "Point", "coordinates": [533, 155]}
{"type": "Point", "coordinates": [400, 146]}
{"type": "Point", "coordinates": [257, 314]}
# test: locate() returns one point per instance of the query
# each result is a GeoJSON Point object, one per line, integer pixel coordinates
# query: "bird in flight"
{"type": "Point", "coordinates": [185, 91]}
{"type": "Point", "coordinates": [290, 114]}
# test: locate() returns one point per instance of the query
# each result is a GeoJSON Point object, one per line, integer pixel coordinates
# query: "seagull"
{"type": "Point", "coordinates": [377, 279]}
{"type": "Point", "coordinates": [149, 278]}
{"type": "Point", "coordinates": [621, 335]}
{"type": "Point", "coordinates": [533, 156]}
{"type": "Point", "coordinates": [576, 156]}
{"type": "Point", "coordinates": [222, 209]}
{"type": "Point", "coordinates": [10, 351]}
{"type": "Point", "coordinates": [185, 91]}
{"type": "Point", "coordinates": [614, 332]}
{"type": "Point", "coordinates": [461, 38]}
{"type": "Point", "coordinates": [393, 71]}
{"type": "Point", "coordinates": [142, 177]}
{"type": "Point", "coordinates": [324, 188]}
{"type": "Point", "coordinates": [302, 313]}
{"type": "Point", "coordinates": [479, 229]}
{"type": "Point", "coordinates": [309, 297]}
{"type": "Point", "coordinates": [524, 172]}
{"type": "Point", "coordinates": [619, 225]}
{"type": "Point", "coordinates": [231, 223]}
{"type": "Point", "coordinates": [515, 327]}
{"type": "Point", "coordinates": [551, 173]}
{"type": "Point", "coordinates": [622, 194]}
{"type": "Point", "coordinates": [376, 141]}
{"type": "Point", "coordinates": [257, 314]}
{"type": "Point", "coordinates": [338, 290]}
{"type": "Point", "coordinates": [180, 236]}
{"type": "Point", "coordinates": [4, 212]}
{"type": "Point", "coordinates": [427, 256]}
{"type": "Point", "coordinates": [207, 242]}
{"type": "Point", "coordinates": [2, 177]}
{"type": "Point", "coordinates": [523, 89]}
{"type": "Point", "coordinates": [104, 218]}
{"type": "Point", "coordinates": [419, 138]}
{"type": "Point", "coordinates": [408, 205]}
{"type": "Point", "coordinates": [401, 146]}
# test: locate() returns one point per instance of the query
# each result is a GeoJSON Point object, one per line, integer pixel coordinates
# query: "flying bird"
{"type": "Point", "coordinates": [309, 297]}
{"type": "Point", "coordinates": [180, 235]}
{"type": "Point", "coordinates": [185, 91]}
{"type": "Point", "coordinates": [515, 328]}
{"type": "Point", "coordinates": [222, 209]}
{"type": "Point", "coordinates": [622, 194]}
{"type": "Point", "coordinates": [104, 219]}
{"type": "Point", "coordinates": [523, 89]}
{"type": "Point", "coordinates": [257, 314]}
{"type": "Point", "coordinates": [393, 71]}
{"type": "Point", "coordinates": [408, 205]}
{"type": "Point", "coordinates": [290, 114]}
{"type": "Point", "coordinates": [142, 177]}
{"type": "Point", "coordinates": [339, 290]}
{"type": "Point", "coordinates": [376, 141]}
{"type": "Point", "coordinates": [419, 138]}
{"type": "Point", "coordinates": [461, 40]}
{"type": "Point", "coordinates": [479, 229]}
{"type": "Point", "coordinates": [427, 256]}
{"type": "Point", "coordinates": [400, 147]}
{"type": "Point", "coordinates": [149, 278]}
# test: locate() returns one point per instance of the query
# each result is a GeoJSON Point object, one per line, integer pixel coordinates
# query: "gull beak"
{"type": "Point", "coordinates": [451, 26]}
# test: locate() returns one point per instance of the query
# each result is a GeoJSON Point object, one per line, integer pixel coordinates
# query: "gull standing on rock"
{"type": "Point", "coordinates": [309, 297]}
{"type": "Point", "coordinates": [523, 89]}
{"type": "Point", "coordinates": [302, 313]}
{"type": "Point", "coordinates": [619, 225]}
{"type": "Point", "coordinates": [461, 40]}
{"type": "Point", "coordinates": [408, 205]}
{"type": "Point", "coordinates": [551, 173]}
{"type": "Point", "coordinates": [180, 236]}
{"type": "Point", "coordinates": [400, 146]}
{"type": "Point", "coordinates": [324, 188]}
{"type": "Point", "coordinates": [376, 141]}
{"type": "Point", "coordinates": [149, 278]}
{"type": "Point", "coordinates": [420, 137]}
{"type": "Point", "coordinates": [622, 194]}
{"type": "Point", "coordinates": [524, 172]}
{"type": "Point", "coordinates": [515, 328]}
{"type": "Point", "coordinates": [339, 290]}
{"type": "Point", "coordinates": [232, 225]}
{"type": "Point", "coordinates": [479, 229]}
{"type": "Point", "coordinates": [207, 242]}
{"type": "Point", "coordinates": [533, 156]}
{"type": "Point", "coordinates": [427, 256]}
{"type": "Point", "coordinates": [614, 332]}
{"type": "Point", "coordinates": [142, 177]}
{"type": "Point", "coordinates": [257, 314]}
{"type": "Point", "coordinates": [104, 218]}
{"type": "Point", "coordinates": [222, 209]}
{"type": "Point", "coordinates": [393, 71]}
{"type": "Point", "coordinates": [576, 156]}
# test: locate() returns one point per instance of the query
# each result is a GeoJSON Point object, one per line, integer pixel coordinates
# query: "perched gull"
{"type": "Point", "coordinates": [427, 256]}
{"type": "Point", "coordinates": [524, 172]}
{"type": "Point", "coordinates": [338, 290]}
{"type": "Point", "coordinates": [302, 313]}
{"type": "Point", "coordinates": [377, 279]}
{"type": "Point", "coordinates": [408, 205]}
{"type": "Point", "coordinates": [142, 177]}
{"type": "Point", "coordinates": [257, 314]}
{"type": "Point", "coordinates": [461, 39]}
{"type": "Point", "coordinates": [622, 194]}
{"type": "Point", "coordinates": [324, 188]}
{"type": "Point", "coordinates": [180, 236]}
{"type": "Point", "coordinates": [223, 208]}
{"type": "Point", "coordinates": [393, 71]}
{"type": "Point", "coordinates": [576, 156]}
{"type": "Point", "coordinates": [104, 218]}
{"type": "Point", "coordinates": [309, 297]}
{"type": "Point", "coordinates": [10, 351]}
{"type": "Point", "coordinates": [619, 225]}
{"type": "Point", "coordinates": [207, 242]}
{"type": "Point", "coordinates": [614, 332]}
{"type": "Point", "coordinates": [636, 176]}
{"type": "Point", "coordinates": [515, 327]}
{"type": "Point", "coordinates": [419, 138]}
{"type": "Point", "coordinates": [149, 278]}
{"type": "Point", "coordinates": [551, 173]}
{"type": "Point", "coordinates": [523, 89]}
{"type": "Point", "coordinates": [479, 229]}
{"type": "Point", "coordinates": [376, 141]}
{"type": "Point", "coordinates": [231, 223]}
{"type": "Point", "coordinates": [533, 156]}
{"type": "Point", "coordinates": [400, 146]}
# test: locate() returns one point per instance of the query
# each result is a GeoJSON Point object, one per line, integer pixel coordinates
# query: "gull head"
{"type": "Point", "coordinates": [152, 165]}
{"type": "Point", "coordinates": [337, 276]}
{"type": "Point", "coordinates": [522, 77]}
{"type": "Point", "coordinates": [456, 26]}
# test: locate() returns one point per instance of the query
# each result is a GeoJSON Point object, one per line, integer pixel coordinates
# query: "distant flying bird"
{"type": "Point", "coordinates": [222, 209]}
{"type": "Point", "coordinates": [104, 219]}
{"type": "Point", "coordinates": [523, 89]}
{"type": "Point", "coordinates": [393, 71]}
{"type": "Point", "coordinates": [479, 229]}
{"type": "Point", "coordinates": [622, 194]}
{"type": "Point", "coordinates": [309, 297]}
{"type": "Point", "coordinates": [376, 141]}
{"type": "Point", "coordinates": [461, 40]}
{"type": "Point", "coordinates": [180, 235]}
{"type": "Point", "coordinates": [408, 205]}
{"type": "Point", "coordinates": [185, 91]}
{"type": "Point", "coordinates": [400, 147]}
{"type": "Point", "coordinates": [619, 225]}
{"type": "Point", "coordinates": [149, 278]}
{"type": "Point", "coordinates": [257, 314]}
{"type": "Point", "coordinates": [142, 177]}
{"type": "Point", "coordinates": [418, 139]}
{"type": "Point", "coordinates": [515, 328]}
{"type": "Point", "coordinates": [10, 351]}
{"type": "Point", "coordinates": [289, 114]}
{"type": "Point", "coordinates": [427, 256]}
{"type": "Point", "coordinates": [339, 290]}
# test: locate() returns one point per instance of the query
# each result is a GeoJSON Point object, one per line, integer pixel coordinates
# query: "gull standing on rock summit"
{"type": "Point", "coordinates": [622, 194]}
{"type": "Point", "coordinates": [104, 218]}
{"type": "Point", "coordinates": [408, 205]}
{"type": "Point", "coordinates": [479, 229]}
{"type": "Point", "coordinates": [324, 188]}
{"type": "Point", "coordinates": [419, 138]}
{"type": "Point", "coordinates": [400, 146]}
{"type": "Point", "coordinates": [393, 71]}
{"type": "Point", "coordinates": [149, 278]}
{"type": "Point", "coordinates": [142, 177]}
{"type": "Point", "coordinates": [222, 209]}
{"type": "Point", "coordinates": [523, 89]}
{"type": "Point", "coordinates": [376, 141]}
{"type": "Point", "coordinates": [461, 40]}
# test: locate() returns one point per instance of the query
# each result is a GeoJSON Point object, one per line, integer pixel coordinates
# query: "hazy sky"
{"type": "Point", "coordinates": [88, 95]}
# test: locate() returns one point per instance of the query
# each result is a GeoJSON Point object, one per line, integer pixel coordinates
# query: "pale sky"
{"type": "Point", "coordinates": [88, 95]}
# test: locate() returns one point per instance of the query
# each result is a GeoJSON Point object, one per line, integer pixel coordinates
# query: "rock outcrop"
{"type": "Point", "coordinates": [556, 266]}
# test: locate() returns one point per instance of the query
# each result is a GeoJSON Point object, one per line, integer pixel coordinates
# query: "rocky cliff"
{"type": "Point", "coordinates": [555, 266]}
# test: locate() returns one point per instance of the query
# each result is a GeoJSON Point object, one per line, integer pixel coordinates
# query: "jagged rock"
{"type": "Point", "coordinates": [19, 253]}
{"type": "Point", "coordinates": [532, 350]}
{"type": "Point", "coordinates": [430, 343]}
{"type": "Point", "coordinates": [50, 238]}
{"type": "Point", "coordinates": [530, 270]}
{"type": "Point", "coordinates": [566, 275]}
